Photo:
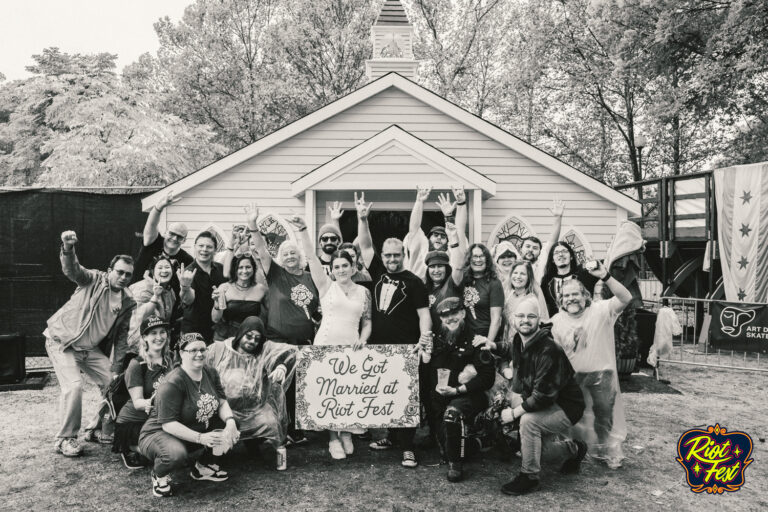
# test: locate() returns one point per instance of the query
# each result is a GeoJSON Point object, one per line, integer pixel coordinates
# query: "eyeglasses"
{"type": "Point", "coordinates": [331, 238]}
{"type": "Point", "coordinates": [123, 273]}
{"type": "Point", "coordinates": [523, 317]}
{"type": "Point", "coordinates": [252, 336]}
{"type": "Point", "coordinates": [177, 236]}
{"type": "Point", "coordinates": [195, 350]}
{"type": "Point", "coordinates": [560, 252]}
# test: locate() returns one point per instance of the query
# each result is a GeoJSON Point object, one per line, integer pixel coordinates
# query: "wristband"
{"type": "Point", "coordinates": [454, 246]}
{"type": "Point", "coordinates": [199, 439]}
{"type": "Point", "coordinates": [302, 229]}
{"type": "Point", "coordinates": [462, 203]}
{"type": "Point", "coordinates": [606, 277]}
{"type": "Point", "coordinates": [230, 248]}
{"type": "Point", "coordinates": [229, 418]}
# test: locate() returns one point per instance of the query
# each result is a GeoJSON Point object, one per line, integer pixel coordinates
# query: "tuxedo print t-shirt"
{"type": "Point", "coordinates": [396, 297]}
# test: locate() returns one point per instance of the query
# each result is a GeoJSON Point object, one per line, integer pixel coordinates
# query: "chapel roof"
{"type": "Point", "coordinates": [392, 13]}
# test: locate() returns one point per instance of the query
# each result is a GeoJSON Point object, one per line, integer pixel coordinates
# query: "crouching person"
{"type": "Point", "coordinates": [552, 400]}
{"type": "Point", "coordinates": [255, 374]}
{"type": "Point", "coordinates": [82, 334]}
{"type": "Point", "coordinates": [190, 406]}
{"type": "Point", "coordinates": [459, 398]}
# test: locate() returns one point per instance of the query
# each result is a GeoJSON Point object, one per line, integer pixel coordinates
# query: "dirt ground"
{"type": "Point", "coordinates": [33, 477]}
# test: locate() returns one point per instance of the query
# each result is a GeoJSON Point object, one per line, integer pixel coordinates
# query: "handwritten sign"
{"type": "Point", "coordinates": [338, 388]}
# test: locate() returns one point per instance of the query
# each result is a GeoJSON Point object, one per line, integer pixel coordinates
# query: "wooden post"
{"type": "Point", "coordinates": [309, 215]}
{"type": "Point", "coordinates": [477, 216]}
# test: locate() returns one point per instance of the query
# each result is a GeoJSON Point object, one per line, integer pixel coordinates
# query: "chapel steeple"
{"type": "Point", "coordinates": [392, 37]}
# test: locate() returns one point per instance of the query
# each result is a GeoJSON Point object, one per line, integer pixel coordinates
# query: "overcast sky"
{"type": "Point", "coordinates": [80, 26]}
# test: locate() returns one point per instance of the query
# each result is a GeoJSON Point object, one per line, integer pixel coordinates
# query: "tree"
{"type": "Point", "coordinates": [75, 124]}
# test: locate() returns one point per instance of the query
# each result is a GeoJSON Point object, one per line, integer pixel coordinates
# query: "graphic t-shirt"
{"type": "Point", "coordinates": [138, 374]}
{"type": "Point", "coordinates": [588, 340]}
{"type": "Point", "coordinates": [396, 298]}
{"type": "Point", "coordinates": [291, 302]}
{"type": "Point", "coordinates": [552, 288]}
{"type": "Point", "coordinates": [149, 252]}
{"type": "Point", "coordinates": [193, 404]}
{"type": "Point", "coordinates": [197, 316]}
{"type": "Point", "coordinates": [479, 298]}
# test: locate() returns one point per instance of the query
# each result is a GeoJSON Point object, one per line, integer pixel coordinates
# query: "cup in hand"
{"type": "Point", "coordinates": [443, 374]}
{"type": "Point", "coordinates": [222, 444]}
{"type": "Point", "coordinates": [222, 300]}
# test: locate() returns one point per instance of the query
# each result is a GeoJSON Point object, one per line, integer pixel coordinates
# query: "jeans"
{"type": "Point", "coordinates": [540, 436]}
{"type": "Point", "coordinates": [67, 364]}
{"type": "Point", "coordinates": [600, 387]}
{"type": "Point", "coordinates": [169, 452]}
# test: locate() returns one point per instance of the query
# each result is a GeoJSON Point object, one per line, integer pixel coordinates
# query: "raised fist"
{"type": "Point", "coordinates": [69, 239]}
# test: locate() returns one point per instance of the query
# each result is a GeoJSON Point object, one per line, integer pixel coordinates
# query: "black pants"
{"type": "Point", "coordinates": [454, 415]}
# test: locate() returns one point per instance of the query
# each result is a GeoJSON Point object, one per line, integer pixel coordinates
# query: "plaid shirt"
{"type": "Point", "coordinates": [543, 374]}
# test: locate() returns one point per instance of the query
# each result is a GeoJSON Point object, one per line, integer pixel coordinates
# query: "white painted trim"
{"type": "Point", "coordinates": [477, 216]}
{"type": "Point", "coordinates": [392, 136]}
{"type": "Point", "coordinates": [389, 206]}
{"type": "Point", "coordinates": [520, 219]}
{"type": "Point", "coordinates": [420, 93]}
{"type": "Point", "coordinates": [588, 251]}
{"type": "Point", "coordinates": [621, 216]}
{"type": "Point", "coordinates": [309, 216]}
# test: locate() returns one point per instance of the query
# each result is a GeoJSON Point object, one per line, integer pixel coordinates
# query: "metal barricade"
{"type": "Point", "coordinates": [693, 347]}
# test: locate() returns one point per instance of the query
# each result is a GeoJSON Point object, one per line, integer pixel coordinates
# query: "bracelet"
{"type": "Point", "coordinates": [199, 439]}
{"type": "Point", "coordinates": [454, 246]}
{"type": "Point", "coordinates": [230, 248]}
{"type": "Point", "coordinates": [229, 418]}
{"type": "Point", "coordinates": [606, 277]}
{"type": "Point", "coordinates": [462, 203]}
{"type": "Point", "coordinates": [302, 229]}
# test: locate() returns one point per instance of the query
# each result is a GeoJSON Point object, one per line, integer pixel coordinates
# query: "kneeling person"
{"type": "Point", "coordinates": [255, 374]}
{"type": "Point", "coordinates": [189, 406]}
{"type": "Point", "coordinates": [552, 400]}
{"type": "Point", "coordinates": [456, 403]}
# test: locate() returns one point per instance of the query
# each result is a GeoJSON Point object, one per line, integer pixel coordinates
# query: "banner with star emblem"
{"type": "Point", "coordinates": [742, 221]}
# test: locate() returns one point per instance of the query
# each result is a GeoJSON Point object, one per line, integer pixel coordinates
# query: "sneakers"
{"type": "Point", "coordinates": [455, 472]}
{"type": "Point", "coordinates": [346, 443]}
{"type": "Point", "coordinates": [210, 472]}
{"type": "Point", "coordinates": [68, 447]}
{"type": "Point", "coordinates": [132, 460]}
{"type": "Point", "coordinates": [336, 449]}
{"type": "Point", "coordinates": [522, 484]}
{"type": "Point", "coordinates": [573, 464]}
{"type": "Point", "coordinates": [381, 444]}
{"type": "Point", "coordinates": [97, 436]}
{"type": "Point", "coordinates": [161, 486]}
{"type": "Point", "coordinates": [409, 460]}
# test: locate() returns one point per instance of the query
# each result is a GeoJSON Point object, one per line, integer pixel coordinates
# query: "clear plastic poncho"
{"type": "Point", "coordinates": [588, 341]}
{"type": "Point", "coordinates": [257, 402]}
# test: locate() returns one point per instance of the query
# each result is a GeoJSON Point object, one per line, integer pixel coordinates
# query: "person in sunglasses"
{"type": "Point", "coordinates": [83, 333]}
{"type": "Point", "coordinates": [191, 419]}
{"type": "Point", "coordinates": [168, 244]}
{"type": "Point", "coordinates": [329, 240]}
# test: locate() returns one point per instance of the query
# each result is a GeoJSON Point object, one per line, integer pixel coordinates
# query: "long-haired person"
{"type": "Point", "coordinates": [238, 298]}
{"type": "Point", "coordinates": [154, 295]}
{"type": "Point", "coordinates": [189, 412]}
{"type": "Point", "coordinates": [142, 378]}
{"type": "Point", "coordinates": [562, 266]}
{"type": "Point", "coordinates": [483, 293]}
{"type": "Point", "coordinates": [505, 254]}
{"type": "Point", "coordinates": [346, 315]}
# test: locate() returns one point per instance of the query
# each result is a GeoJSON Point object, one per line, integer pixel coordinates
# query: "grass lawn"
{"type": "Point", "coordinates": [33, 477]}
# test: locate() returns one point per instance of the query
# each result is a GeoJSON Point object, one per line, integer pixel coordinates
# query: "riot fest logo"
{"type": "Point", "coordinates": [714, 459]}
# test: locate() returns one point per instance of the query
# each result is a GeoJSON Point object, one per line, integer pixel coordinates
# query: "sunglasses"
{"type": "Point", "coordinates": [331, 238]}
{"type": "Point", "coordinates": [252, 336]}
{"type": "Point", "coordinates": [529, 317]}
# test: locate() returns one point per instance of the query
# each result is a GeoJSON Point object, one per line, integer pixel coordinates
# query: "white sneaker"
{"type": "Point", "coordinates": [161, 486]}
{"type": "Point", "coordinates": [409, 460]}
{"type": "Point", "coordinates": [68, 447]}
{"type": "Point", "coordinates": [336, 449]}
{"type": "Point", "coordinates": [346, 443]}
{"type": "Point", "coordinates": [210, 472]}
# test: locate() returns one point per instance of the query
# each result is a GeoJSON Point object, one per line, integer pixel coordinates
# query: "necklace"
{"type": "Point", "coordinates": [241, 287]}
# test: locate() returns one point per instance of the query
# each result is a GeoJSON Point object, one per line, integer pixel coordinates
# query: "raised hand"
{"type": "Point", "coordinates": [297, 222]}
{"type": "Point", "coordinates": [252, 216]}
{"type": "Point", "coordinates": [336, 211]}
{"type": "Point", "coordinates": [157, 288]}
{"type": "Point", "coordinates": [558, 207]}
{"type": "Point", "coordinates": [69, 239]}
{"type": "Point", "coordinates": [445, 204]}
{"type": "Point", "coordinates": [185, 276]}
{"type": "Point", "coordinates": [597, 269]}
{"type": "Point", "coordinates": [422, 193]}
{"type": "Point", "coordinates": [165, 201]}
{"type": "Point", "coordinates": [362, 208]}
{"type": "Point", "coordinates": [459, 194]}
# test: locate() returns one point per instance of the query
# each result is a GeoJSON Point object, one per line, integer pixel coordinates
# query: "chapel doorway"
{"type": "Point", "coordinates": [387, 224]}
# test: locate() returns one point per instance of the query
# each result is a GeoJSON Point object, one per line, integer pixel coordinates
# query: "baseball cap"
{"type": "Point", "coordinates": [436, 258]}
{"type": "Point", "coordinates": [151, 322]}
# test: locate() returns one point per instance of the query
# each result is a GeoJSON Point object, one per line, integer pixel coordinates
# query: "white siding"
{"type": "Point", "coordinates": [524, 187]}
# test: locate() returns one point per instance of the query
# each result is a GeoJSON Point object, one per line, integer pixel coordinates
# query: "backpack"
{"type": "Point", "coordinates": [117, 394]}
